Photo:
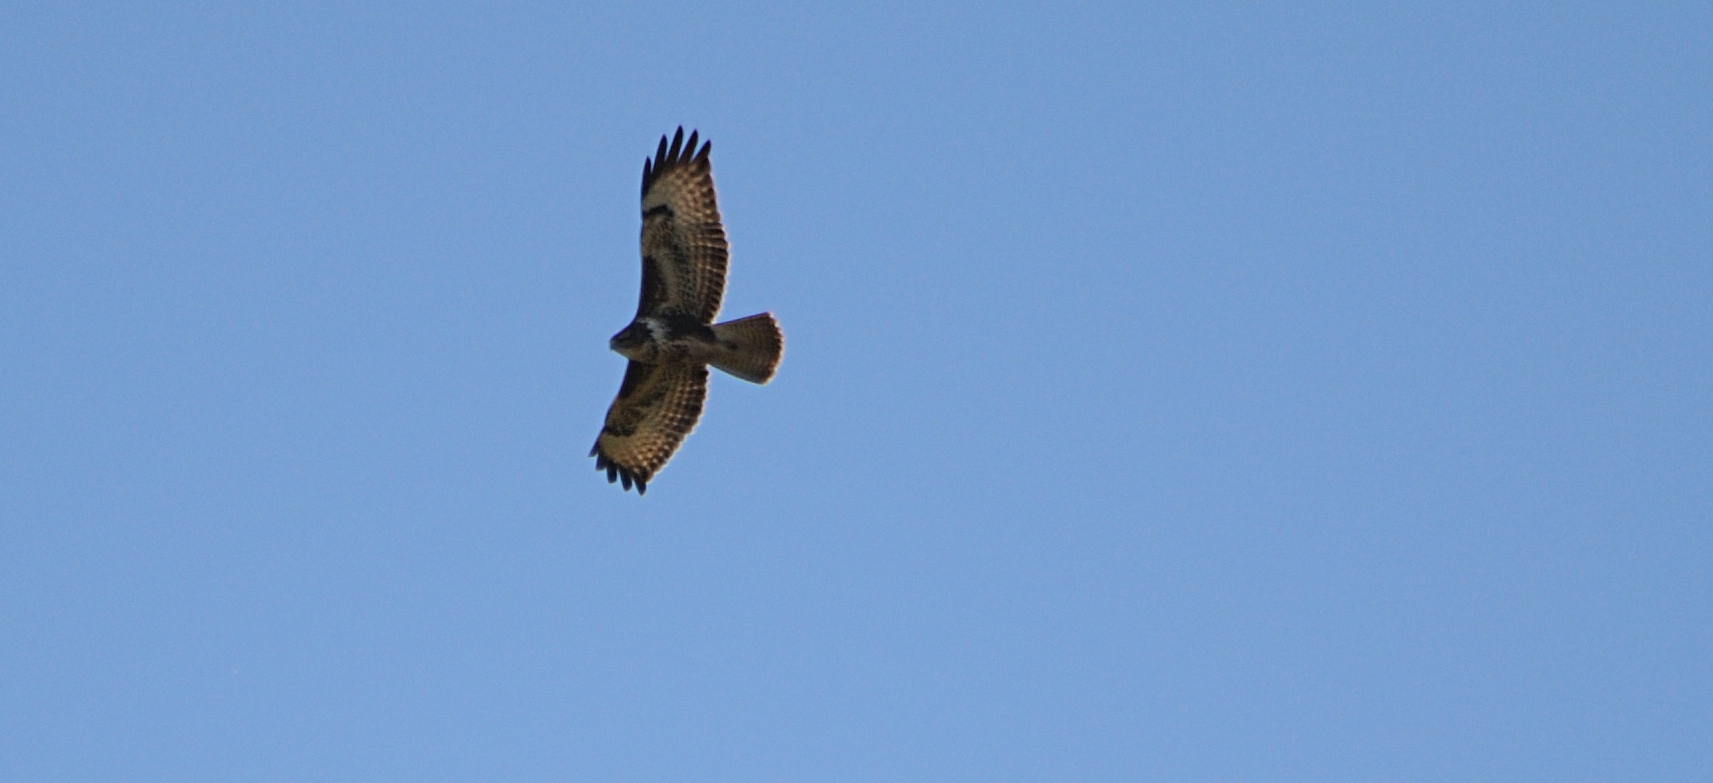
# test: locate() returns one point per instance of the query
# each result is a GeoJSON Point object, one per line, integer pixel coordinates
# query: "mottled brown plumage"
{"type": "Point", "coordinates": [673, 337]}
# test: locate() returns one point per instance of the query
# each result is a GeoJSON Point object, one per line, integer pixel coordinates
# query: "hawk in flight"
{"type": "Point", "coordinates": [673, 337]}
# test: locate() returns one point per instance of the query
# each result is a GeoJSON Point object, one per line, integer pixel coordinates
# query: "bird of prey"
{"type": "Point", "coordinates": [673, 337]}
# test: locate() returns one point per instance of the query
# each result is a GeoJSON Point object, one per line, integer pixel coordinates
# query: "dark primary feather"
{"type": "Point", "coordinates": [665, 158]}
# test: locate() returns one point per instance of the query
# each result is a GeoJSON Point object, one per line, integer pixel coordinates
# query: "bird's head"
{"type": "Point", "coordinates": [634, 342]}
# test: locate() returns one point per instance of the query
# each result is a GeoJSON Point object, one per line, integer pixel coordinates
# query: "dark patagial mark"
{"type": "Point", "coordinates": [635, 374]}
{"type": "Point", "coordinates": [653, 286]}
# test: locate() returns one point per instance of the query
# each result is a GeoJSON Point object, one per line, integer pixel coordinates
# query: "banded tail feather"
{"type": "Point", "coordinates": [754, 347]}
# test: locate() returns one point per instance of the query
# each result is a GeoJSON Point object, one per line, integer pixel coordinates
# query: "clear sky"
{"type": "Point", "coordinates": [1196, 392]}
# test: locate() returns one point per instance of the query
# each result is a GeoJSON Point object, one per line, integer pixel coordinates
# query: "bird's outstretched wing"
{"type": "Point", "coordinates": [657, 406]}
{"type": "Point", "coordinates": [683, 243]}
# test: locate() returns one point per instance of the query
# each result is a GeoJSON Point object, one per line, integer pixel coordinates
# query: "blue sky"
{"type": "Point", "coordinates": [1180, 392]}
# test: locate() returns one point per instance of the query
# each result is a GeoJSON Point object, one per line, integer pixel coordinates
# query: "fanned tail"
{"type": "Point", "coordinates": [753, 347]}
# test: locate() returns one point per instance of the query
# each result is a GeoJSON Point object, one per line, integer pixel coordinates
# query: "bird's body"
{"type": "Point", "coordinates": [673, 338]}
{"type": "Point", "coordinates": [678, 338]}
